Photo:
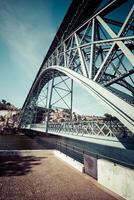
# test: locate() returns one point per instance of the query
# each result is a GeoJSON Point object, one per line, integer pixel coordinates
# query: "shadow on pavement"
{"type": "Point", "coordinates": [18, 165]}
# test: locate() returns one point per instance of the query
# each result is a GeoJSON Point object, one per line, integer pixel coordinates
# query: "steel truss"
{"type": "Point", "coordinates": [89, 128]}
{"type": "Point", "coordinates": [61, 95]}
{"type": "Point", "coordinates": [99, 53]}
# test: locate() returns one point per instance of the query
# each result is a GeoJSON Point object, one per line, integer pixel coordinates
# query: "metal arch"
{"type": "Point", "coordinates": [88, 52]}
{"type": "Point", "coordinates": [122, 110]}
{"type": "Point", "coordinates": [31, 105]}
{"type": "Point", "coordinates": [81, 50]}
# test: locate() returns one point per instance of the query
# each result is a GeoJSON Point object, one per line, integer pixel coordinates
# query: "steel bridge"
{"type": "Point", "coordinates": [94, 47]}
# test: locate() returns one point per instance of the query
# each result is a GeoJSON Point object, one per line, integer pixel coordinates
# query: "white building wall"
{"type": "Point", "coordinates": [6, 112]}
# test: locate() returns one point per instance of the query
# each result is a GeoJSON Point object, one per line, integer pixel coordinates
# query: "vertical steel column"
{"type": "Point", "coordinates": [37, 95]}
{"type": "Point", "coordinates": [52, 59]}
{"type": "Point", "coordinates": [65, 59]}
{"type": "Point", "coordinates": [71, 105]}
{"type": "Point", "coordinates": [83, 66]}
{"type": "Point", "coordinates": [57, 58]}
{"type": "Point", "coordinates": [49, 106]}
{"type": "Point", "coordinates": [91, 67]}
{"type": "Point", "coordinates": [47, 94]}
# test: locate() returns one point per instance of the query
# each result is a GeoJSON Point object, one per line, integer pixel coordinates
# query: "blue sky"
{"type": "Point", "coordinates": [27, 28]}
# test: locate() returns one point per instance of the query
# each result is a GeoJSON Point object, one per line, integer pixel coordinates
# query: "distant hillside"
{"type": "Point", "coordinates": [4, 105]}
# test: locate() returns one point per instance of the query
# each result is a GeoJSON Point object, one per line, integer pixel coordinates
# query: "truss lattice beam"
{"type": "Point", "coordinates": [96, 57]}
{"type": "Point", "coordinates": [116, 106]}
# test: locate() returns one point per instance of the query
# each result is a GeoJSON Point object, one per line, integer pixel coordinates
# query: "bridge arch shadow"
{"type": "Point", "coordinates": [18, 165]}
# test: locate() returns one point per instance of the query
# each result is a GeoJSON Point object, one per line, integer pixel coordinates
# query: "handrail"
{"type": "Point", "coordinates": [91, 127]}
{"type": "Point", "coordinates": [96, 155]}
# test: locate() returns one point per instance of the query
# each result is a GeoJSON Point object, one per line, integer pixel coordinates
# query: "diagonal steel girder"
{"type": "Point", "coordinates": [65, 56]}
{"type": "Point", "coordinates": [119, 108]}
{"type": "Point", "coordinates": [121, 45]}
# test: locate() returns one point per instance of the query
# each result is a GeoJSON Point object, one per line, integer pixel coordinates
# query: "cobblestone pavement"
{"type": "Point", "coordinates": [47, 178]}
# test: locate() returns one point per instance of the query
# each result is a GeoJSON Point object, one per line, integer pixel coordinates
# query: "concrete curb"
{"type": "Point", "coordinates": [75, 164]}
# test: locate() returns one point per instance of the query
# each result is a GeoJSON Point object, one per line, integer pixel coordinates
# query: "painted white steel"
{"type": "Point", "coordinates": [119, 108]}
{"type": "Point", "coordinates": [122, 46]}
{"type": "Point", "coordinates": [83, 66]}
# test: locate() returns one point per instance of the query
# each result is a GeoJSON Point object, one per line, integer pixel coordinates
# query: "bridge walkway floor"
{"type": "Point", "coordinates": [46, 178]}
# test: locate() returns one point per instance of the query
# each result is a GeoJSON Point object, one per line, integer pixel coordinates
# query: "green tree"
{"type": "Point", "coordinates": [3, 101]}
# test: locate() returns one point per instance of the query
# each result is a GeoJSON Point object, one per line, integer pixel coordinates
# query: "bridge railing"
{"type": "Point", "coordinates": [78, 153]}
{"type": "Point", "coordinates": [88, 128]}
{"type": "Point", "coordinates": [39, 125]}
{"type": "Point", "coordinates": [101, 128]}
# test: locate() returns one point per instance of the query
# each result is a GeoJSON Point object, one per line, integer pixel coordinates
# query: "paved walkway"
{"type": "Point", "coordinates": [24, 142]}
{"type": "Point", "coordinates": [46, 178]}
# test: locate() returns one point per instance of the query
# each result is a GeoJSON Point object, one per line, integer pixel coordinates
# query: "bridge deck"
{"type": "Point", "coordinates": [103, 140]}
{"type": "Point", "coordinates": [120, 151]}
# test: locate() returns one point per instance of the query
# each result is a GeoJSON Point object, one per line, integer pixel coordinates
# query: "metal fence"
{"type": "Point", "coordinates": [88, 128]}
{"type": "Point", "coordinates": [78, 154]}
